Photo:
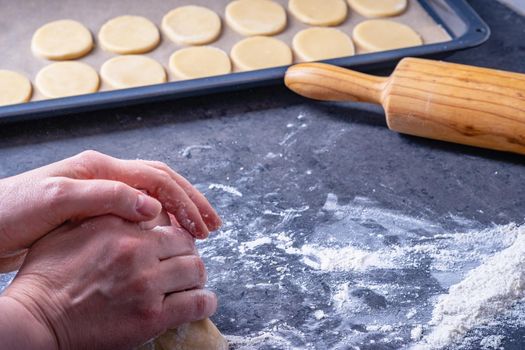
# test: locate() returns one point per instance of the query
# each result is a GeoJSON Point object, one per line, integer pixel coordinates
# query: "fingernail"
{"type": "Point", "coordinates": [147, 206]}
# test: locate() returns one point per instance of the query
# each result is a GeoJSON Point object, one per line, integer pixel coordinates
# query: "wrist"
{"type": "Point", "coordinates": [20, 329]}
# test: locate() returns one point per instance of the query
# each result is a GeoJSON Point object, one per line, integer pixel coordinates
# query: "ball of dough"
{"type": "Point", "coordinates": [256, 17]}
{"type": "Point", "coordinates": [62, 40]}
{"type": "Point", "coordinates": [199, 335]}
{"type": "Point", "coordinates": [14, 88]}
{"type": "Point", "coordinates": [314, 44]}
{"type": "Point", "coordinates": [260, 52]}
{"type": "Point", "coordinates": [319, 12]}
{"type": "Point", "coordinates": [131, 71]}
{"type": "Point", "coordinates": [129, 35]}
{"type": "Point", "coordinates": [378, 8]}
{"type": "Point", "coordinates": [67, 79]}
{"type": "Point", "coordinates": [192, 25]}
{"type": "Point", "coordinates": [199, 62]}
{"type": "Point", "coordinates": [379, 35]}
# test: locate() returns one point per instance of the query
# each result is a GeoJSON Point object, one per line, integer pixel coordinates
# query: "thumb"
{"type": "Point", "coordinates": [89, 198]}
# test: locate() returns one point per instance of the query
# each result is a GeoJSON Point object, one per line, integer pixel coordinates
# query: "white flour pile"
{"type": "Point", "coordinates": [486, 292]}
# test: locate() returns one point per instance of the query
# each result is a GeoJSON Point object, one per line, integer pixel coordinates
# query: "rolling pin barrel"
{"type": "Point", "coordinates": [444, 101]}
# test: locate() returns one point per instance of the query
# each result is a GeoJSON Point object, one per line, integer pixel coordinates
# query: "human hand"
{"type": "Point", "coordinates": [93, 184]}
{"type": "Point", "coordinates": [108, 284]}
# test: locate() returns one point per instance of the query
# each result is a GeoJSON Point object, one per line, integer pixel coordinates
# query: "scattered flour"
{"type": "Point", "coordinates": [384, 328]}
{"type": "Point", "coordinates": [319, 314]}
{"type": "Point", "coordinates": [486, 292]}
{"type": "Point", "coordinates": [342, 259]}
{"type": "Point", "coordinates": [492, 342]}
{"type": "Point", "coordinates": [226, 188]}
{"type": "Point", "coordinates": [271, 155]}
{"type": "Point", "coordinates": [416, 333]}
{"type": "Point", "coordinates": [246, 246]}
{"type": "Point", "coordinates": [186, 152]}
{"type": "Point", "coordinates": [411, 313]}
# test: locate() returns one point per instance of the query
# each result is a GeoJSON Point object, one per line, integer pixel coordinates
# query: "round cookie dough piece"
{"type": "Point", "coordinates": [191, 25]}
{"type": "Point", "coordinates": [64, 39]}
{"type": "Point", "coordinates": [129, 35]}
{"type": "Point", "coordinates": [260, 52]}
{"type": "Point", "coordinates": [63, 79]}
{"type": "Point", "coordinates": [131, 71]}
{"type": "Point", "coordinates": [314, 44]}
{"type": "Point", "coordinates": [256, 17]}
{"type": "Point", "coordinates": [319, 12]}
{"type": "Point", "coordinates": [378, 8]}
{"type": "Point", "coordinates": [14, 88]}
{"type": "Point", "coordinates": [380, 35]}
{"type": "Point", "coordinates": [199, 62]}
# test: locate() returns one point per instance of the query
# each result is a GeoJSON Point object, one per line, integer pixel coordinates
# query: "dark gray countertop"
{"type": "Point", "coordinates": [286, 174]}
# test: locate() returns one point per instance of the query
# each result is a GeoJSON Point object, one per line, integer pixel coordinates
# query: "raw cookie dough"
{"type": "Point", "coordinates": [380, 34]}
{"type": "Point", "coordinates": [67, 79]}
{"type": "Point", "coordinates": [14, 88]}
{"type": "Point", "coordinates": [199, 335]}
{"type": "Point", "coordinates": [260, 52]}
{"type": "Point", "coordinates": [129, 35]}
{"type": "Point", "coordinates": [314, 44]}
{"type": "Point", "coordinates": [198, 62]}
{"type": "Point", "coordinates": [132, 70]}
{"type": "Point", "coordinates": [191, 25]}
{"type": "Point", "coordinates": [62, 40]}
{"type": "Point", "coordinates": [378, 8]}
{"type": "Point", "coordinates": [319, 12]}
{"type": "Point", "coordinates": [256, 17]}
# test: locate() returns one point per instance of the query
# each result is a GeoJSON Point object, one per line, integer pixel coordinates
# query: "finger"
{"type": "Point", "coordinates": [173, 220]}
{"type": "Point", "coordinates": [172, 241]}
{"type": "Point", "coordinates": [90, 164]}
{"type": "Point", "coordinates": [210, 216]}
{"type": "Point", "coordinates": [78, 199]}
{"type": "Point", "coordinates": [188, 306]}
{"type": "Point", "coordinates": [181, 273]}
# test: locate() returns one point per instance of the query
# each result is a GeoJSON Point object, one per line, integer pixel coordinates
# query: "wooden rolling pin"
{"type": "Point", "coordinates": [438, 100]}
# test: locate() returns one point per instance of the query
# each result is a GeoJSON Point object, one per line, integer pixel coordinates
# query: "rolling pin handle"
{"type": "Point", "coordinates": [325, 82]}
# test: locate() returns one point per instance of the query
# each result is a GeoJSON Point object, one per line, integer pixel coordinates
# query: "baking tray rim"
{"type": "Point", "coordinates": [477, 32]}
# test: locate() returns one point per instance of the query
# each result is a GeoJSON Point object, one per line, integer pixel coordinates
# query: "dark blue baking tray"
{"type": "Point", "coordinates": [461, 22]}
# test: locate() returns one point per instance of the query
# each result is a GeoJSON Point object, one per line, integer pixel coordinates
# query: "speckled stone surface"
{"type": "Point", "coordinates": [283, 157]}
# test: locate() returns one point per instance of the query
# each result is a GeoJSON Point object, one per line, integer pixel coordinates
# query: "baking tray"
{"type": "Point", "coordinates": [459, 28]}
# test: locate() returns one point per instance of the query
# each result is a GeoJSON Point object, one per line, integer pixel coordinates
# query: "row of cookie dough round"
{"type": "Point", "coordinates": [197, 25]}
{"type": "Point", "coordinates": [266, 17]}
{"type": "Point", "coordinates": [73, 78]}
{"type": "Point", "coordinates": [68, 39]}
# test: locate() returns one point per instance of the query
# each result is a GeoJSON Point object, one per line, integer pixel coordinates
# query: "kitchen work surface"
{"type": "Point", "coordinates": [338, 234]}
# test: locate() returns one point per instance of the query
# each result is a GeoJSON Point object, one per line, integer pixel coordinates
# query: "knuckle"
{"type": "Point", "coordinates": [170, 236]}
{"type": "Point", "coordinates": [150, 312]}
{"type": "Point", "coordinates": [125, 251]}
{"type": "Point", "coordinates": [200, 270]}
{"type": "Point", "coordinates": [201, 303]}
{"type": "Point", "coordinates": [56, 191]}
{"type": "Point", "coordinates": [89, 156]}
{"type": "Point", "coordinates": [163, 177]}
{"type": "Point", "coordinates": [83, 163]}
{"type": "Point", "coordinates": [160, 165]}
{"type": "Point", "coordinates": [119, 191]}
